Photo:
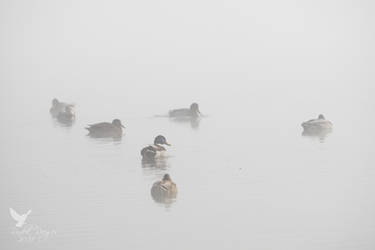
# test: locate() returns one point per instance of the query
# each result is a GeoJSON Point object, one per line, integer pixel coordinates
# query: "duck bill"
{"type": "Point", "coordinates": [167, 144]}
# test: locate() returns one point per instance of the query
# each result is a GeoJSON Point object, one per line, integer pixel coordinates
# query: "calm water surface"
{"type": "Point", "coordinates": [243, 183]}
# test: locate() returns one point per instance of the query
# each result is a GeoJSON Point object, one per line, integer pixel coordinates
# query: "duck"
{"type": "Point", "coordinates": [191, 112]}
{"type": "Point", "coordinates": [106, 129]}
{"type": "Point", "coordinates": [319, 124]}
{"type": "Point", "coordinates": [58, 107]}
{"type": "Point", "coordinates": [164, 191]}
{"type": "Point", "coordinates": [151, 152]}
{"type": "Point", "coordinates": [67, 116]}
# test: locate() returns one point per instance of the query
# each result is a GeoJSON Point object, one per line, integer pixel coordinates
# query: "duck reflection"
{"type": "Point", "coordinates": [164, 191]}
{"type": "Point", "coordinates": [193, 121]}
{"type": "Point", "coordinates": [157, 164]}
{"type": "Point", "coordinates": [105, 140]}
{"type": "Point", "coordinates": [320, 134]}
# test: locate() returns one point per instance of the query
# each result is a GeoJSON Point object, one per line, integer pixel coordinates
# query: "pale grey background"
{"type": "Point", "coordinates": [247, 179]}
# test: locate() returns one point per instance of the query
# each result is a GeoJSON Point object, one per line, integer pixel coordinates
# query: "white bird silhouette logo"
{"type": "Point", "coordinates": [19, 218]}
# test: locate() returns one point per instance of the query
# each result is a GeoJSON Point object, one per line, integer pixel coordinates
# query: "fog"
{"type": "Point", "coordinates": [246, 176]}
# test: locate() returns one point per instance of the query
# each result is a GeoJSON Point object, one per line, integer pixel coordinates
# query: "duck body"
{"type": "Point", "coordinates": [191, 112]}
{"type": "Point", "coordinates": [152, 152]}
{"type": "Point", "coordinates": [319, 124]}
{"type": "Point", "coordinates": [165, 190]}
{"type": "Point", "coordinates": [106, 129]}
{"type": "Point", "coordinates": [67, 116]}
{"type": "Point", "coordinates": [59, 107]}
{"type": "Point", "coordinates": [181, 113]}
{"type": "Point", "coordinates": [149, 153]}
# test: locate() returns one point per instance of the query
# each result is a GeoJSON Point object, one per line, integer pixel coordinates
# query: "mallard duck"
{"type": "Point", "coordinates": [67, 116]}
{"type": "Point", "coordinates": [106, 129]}
{"type": "Point", "coordinates": [317, 124]}
{"type": "Point", "coordinates": [151, 152]}
{"type": "Point", "coordinates": [165, 190]}
{"type": "Point", "coordinates": [58, 107]}
{"type": "Point", "coordinates": [193, 111]}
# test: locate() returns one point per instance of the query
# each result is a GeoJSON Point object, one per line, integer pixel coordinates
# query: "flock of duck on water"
{"type": "Point", "coordinates": [165, 189]}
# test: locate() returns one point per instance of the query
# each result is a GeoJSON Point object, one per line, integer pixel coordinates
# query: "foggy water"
{"type": "Point", "coordinates": [246, 177]}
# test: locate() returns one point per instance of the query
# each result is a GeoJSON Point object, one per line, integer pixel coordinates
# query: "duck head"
{"type": "Point", "coordinates": [117, 123]}
{"type": "Point", "coordinates": [55, 102]}
{"type": "Point", "coordinates": [160, 140]}
{"type": "Point", "coordinates": [194, 108]}
{"type": "Point", "coordinates": [166, 177]}
{"type": "Point", "coordinates": [321, 117]}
